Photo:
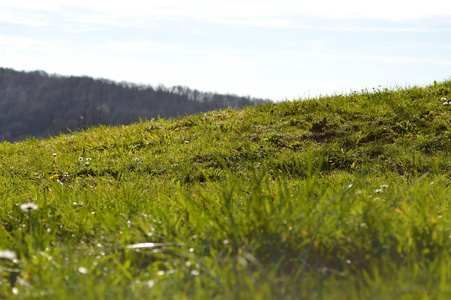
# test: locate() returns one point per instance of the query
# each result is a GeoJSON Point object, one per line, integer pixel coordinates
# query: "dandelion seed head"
{"type": "Point", "coordinates": [8, 254]}
{"type": "Point", "coordinates": [28, 207]}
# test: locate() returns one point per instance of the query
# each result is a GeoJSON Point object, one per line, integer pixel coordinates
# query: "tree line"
{"type": "Point", "coordinates": [38, 104]}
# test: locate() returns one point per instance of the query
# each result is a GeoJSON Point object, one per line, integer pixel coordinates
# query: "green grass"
{"type": "Point", "coordinates": [343, 197]}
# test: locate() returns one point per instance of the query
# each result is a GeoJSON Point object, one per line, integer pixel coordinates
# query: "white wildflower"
{"type": "Point", "coordinates": [8, 254]}
{"type": "Point", "coordinates": [28, 207]}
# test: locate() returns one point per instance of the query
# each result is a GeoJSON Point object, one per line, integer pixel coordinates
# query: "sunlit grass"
{"type": "Point", "coordinates": [344, 197]}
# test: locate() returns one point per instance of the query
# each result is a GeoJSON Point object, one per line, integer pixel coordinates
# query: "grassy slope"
{"type": "Point", "coordinates": [340, 197]}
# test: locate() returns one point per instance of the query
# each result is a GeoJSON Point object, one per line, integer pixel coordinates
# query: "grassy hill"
{"type": "Point", "coordinates": [343, 197]}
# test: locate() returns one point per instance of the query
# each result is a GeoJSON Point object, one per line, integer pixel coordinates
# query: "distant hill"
{"type": "Point", "coordinates": [37, 104]}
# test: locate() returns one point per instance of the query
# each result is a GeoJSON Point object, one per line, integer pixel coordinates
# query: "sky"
{"type": "Point", "coordinates": [271, 49]}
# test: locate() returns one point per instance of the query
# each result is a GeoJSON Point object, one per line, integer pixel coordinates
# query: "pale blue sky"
{"type": "Point", "coordinates": [282, 49]}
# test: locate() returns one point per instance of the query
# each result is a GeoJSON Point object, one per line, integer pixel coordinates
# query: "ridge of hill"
{"type": "Point", "coordinates": [41, 105]}
{"type": "Point", "coordinates": [345, 196]}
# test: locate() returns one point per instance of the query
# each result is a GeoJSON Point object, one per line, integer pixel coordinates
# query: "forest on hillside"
{"type": "Point", "coordinates": [37, 104]}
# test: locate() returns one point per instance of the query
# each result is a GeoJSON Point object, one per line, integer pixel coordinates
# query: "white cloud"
{"type": "Point", "coordinates": [17, 16]}
{"type": "Point", "coordinates": [265, 13]}
{"type": "Point", "coordinates": [394, 10]}
{"type": "Point", "coordinates": [42, 5]}
{"type": "Point", "coordinates": [10, 41]}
